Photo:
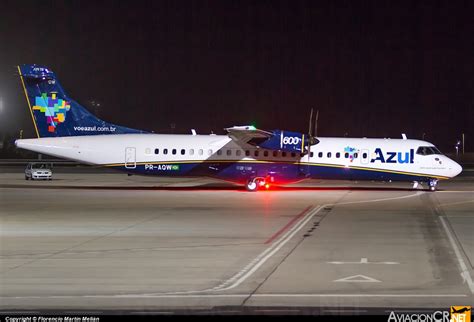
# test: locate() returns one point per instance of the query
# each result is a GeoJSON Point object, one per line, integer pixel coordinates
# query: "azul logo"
{"type": "Point", "coordinates": [351, 152]}
{"type": "Point", "coordinates": [393, 157]}
{"type": "Point", "coordinates": [291, 140]}
{"type": "Point", "coordinates": [53, 108]}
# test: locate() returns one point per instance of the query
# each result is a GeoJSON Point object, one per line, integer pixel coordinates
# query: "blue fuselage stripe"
{"type": "Point", "coordinates": [280, 172]}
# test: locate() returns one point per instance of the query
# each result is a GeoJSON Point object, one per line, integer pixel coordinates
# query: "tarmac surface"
{"type": "Point", "coordinates": [102, 242]}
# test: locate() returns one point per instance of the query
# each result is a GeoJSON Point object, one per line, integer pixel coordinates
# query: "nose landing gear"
{"type": "Point", "coordinates": [433, 184]}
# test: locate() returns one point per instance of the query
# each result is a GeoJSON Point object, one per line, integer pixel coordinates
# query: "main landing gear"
{"type": "Point", "coordinates": [432, 184]}
{"type": "Point", "coordinates": [257, 183]}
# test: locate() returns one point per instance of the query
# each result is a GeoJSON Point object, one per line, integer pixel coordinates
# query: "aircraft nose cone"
{"type": "Point", "coordinates": [455, 169]}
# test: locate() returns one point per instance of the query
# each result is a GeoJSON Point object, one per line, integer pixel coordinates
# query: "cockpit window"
{"type": "Point", "coordinates": [427, 150]}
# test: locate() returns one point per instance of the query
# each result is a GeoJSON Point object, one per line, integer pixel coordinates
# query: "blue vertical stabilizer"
{"type": "Point", "coordinates": [54, 113]}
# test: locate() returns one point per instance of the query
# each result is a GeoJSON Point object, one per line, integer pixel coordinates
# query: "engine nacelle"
{"type": "Point", "coordinates": [286, 141]}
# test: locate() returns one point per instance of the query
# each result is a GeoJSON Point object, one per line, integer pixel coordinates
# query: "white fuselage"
{"type": "Point", "coordinates": [393, 156]}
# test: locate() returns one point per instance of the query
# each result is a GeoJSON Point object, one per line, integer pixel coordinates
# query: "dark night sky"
{"type": "Point", "coordinates": [373, 69]}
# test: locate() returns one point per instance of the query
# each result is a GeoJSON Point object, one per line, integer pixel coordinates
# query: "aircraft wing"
{"type": "Point", "coordinates": [275, 140]}
{"type": "Point", "coordinates": [245, 134]}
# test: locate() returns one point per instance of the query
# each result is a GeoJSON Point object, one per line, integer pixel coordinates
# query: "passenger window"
{"type": "Point", "coordinates": [191, 152]}
{"type": "Point", "coordinates": [293, 154]}
{"type": "Point", "coordinates": [157, 151]}
{"type": "Point", "coordinates": [311, 154]}
{"type": "Point", "coordinates": [201, 152]}
{"type": "Point", "coordinates": [165, 151]}
{"type": "Point", "coordinates": [229, 152]}
{"type": "Point", "coordinates": [356, 155]}
{"type": "Point", "coordinates": [247, 153]}
{"type": "Point", "coordinates": [283, 154]}
{"type": "Point", "coordinates": [173, 151]}
{"type": "Point", "coordinates": [219, 152]}
{"type": "Point", "coordinates": [320, 154]}
{"type": "Point", "coordinates": [364, 155]}
{"type": "Point", "coordinates": [209, 152]}
{"type": "Point", "coordinates": [338, 155]}
{"type": "Point", "coordinates": [183, 151]}
{"type": "Point", "coordinates": [265, 153]}
{"type": "Point", "coordinates": [275, 154]}
{"type": "Point", "coordinates": [238, 152]}
{"type": "Point", "coordinates": [329, 154]}
{"type": "Point", "coordinates": [346, 155]}
{"type": "Point", "coordinates": [256, 153]}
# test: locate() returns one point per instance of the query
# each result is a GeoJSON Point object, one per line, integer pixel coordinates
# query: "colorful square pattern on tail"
{"type": "Point", "coordinates": [54, 109]}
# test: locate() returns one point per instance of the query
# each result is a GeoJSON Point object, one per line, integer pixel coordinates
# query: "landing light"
{"type": "Point", "coordinates": [267, 186]}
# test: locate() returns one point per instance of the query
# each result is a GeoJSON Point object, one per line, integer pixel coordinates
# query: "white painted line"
{"type": "Point", "coordinates": [377, 200]}
{"type": "Point", "coordinates": [363, 261]}
{"type": "Point", "coordinates": [464, 271]}
{"type": "Point", "coordinates": [263, 257]}
{"type": "Point", "coordinates": [358, 279]}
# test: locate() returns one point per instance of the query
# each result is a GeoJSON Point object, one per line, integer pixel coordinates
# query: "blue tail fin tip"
{"type": "Point", "coordinates": [54, 113]}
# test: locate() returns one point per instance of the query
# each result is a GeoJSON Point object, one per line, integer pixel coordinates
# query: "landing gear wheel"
{"type": "Point", "coordinates": [26, 178]}
{"type": "Point", "coordinates": [251, 185]}
{"type": "Point", "coordinates": [433, 184]}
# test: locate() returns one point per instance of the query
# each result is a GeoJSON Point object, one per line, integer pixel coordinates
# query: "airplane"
{"type": "Point", "coordinates": [462, 310]}
{"type": "Point", "coordinates": [247, 155]}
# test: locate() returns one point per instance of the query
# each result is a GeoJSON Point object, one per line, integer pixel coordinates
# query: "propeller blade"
{"type": "Point", "coordinates": [316, 124]}
{"type": "Point", "coordinates": [310, 125]}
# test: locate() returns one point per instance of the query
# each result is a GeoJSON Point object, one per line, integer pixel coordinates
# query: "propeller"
{"type": "Point", "coordinates": [312, 138]}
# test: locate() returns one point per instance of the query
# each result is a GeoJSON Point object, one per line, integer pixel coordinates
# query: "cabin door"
{"type": "Point", "coordinates": [130, 158]}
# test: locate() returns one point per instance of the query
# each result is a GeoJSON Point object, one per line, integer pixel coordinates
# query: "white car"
{"type": "Point", "coordinates": [36, 171]}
